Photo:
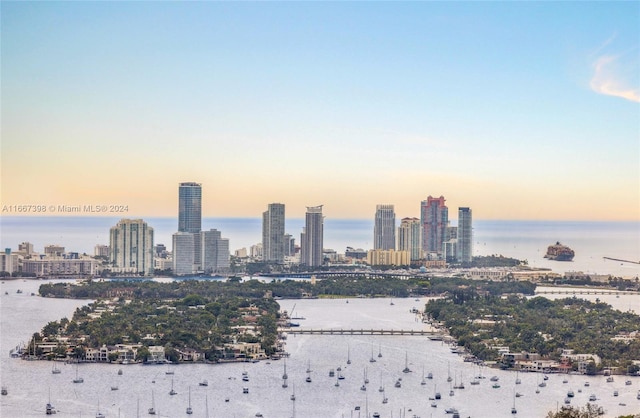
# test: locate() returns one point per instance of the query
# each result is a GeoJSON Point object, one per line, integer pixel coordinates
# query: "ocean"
{"type": "Point", "coordinates": [524, 240]}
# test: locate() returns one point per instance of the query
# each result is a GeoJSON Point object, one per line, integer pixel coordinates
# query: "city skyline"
{"type": "Point", "coordinates": [521, 110]}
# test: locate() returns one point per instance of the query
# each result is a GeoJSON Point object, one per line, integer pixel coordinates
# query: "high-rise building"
{"type": "Point", "coordinates": [131, 247]}
{"type": "Point", "coordinates": [190, 207]}
{"type": "Point", "coordinates": [183, 253]}
{"type": "Point", "coordinates": [410, 237]}
{"type": "Point", "coordinates": [53, 250]}
{"type": "Point", "coordinates": [215, 252]}
{"type": "Point", "coordinates": [289, 245]}
{"type": "Point", "coordinates": [434, 217]}
{"type": "Point", "coordinates": [311, 239]}
{"type": "Point", "coordinates": [273, 244]}
{"type": "Point", "coordinates": [101, 250]}
{"type": "Point", "coordinates": [465, 236]}
{"type": "Point", "coordinates": [384, 229]}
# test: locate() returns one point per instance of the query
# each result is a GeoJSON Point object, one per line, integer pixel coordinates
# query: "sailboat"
{"type": "Point", "coordinates": [518, 381]}
{"type": "Point", "coordinates": [152, 410]}
{"type": "Point", "coordinates": [372, 360]}
{"type": "Point", "coordinates": [189, 410]}
{"type": "Point", "coordinates": [172, 392]}
{"type": "Point", "coordinates": [293, 393]}
{"type": "Point", "coordinates": [99, 414]}
{"type": "Point", "coordinates": [423, 382]}
{"type": "Point", "coordinates": [449, 378]}
{"type": "Point", "coordinates": [284, 375]}
{"type": "Point", "coordinates": [308, 379]}
{"type": "Point", "coordinates": [379, 350]}
{"type": "Point", "coordinates": [406, 364]}
{"type": "Point", "coordinates": [55, 369]}
{"type": "Point", "coordinates": [348, 355]}
{"type": "Point", "coordinates": [513, 408]}
{"type": "Point", "coordinates": [77, 379]}
{"type": "Point", "coordinates": [50, 410]}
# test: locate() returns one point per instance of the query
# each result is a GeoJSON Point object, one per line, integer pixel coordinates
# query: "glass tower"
{"type": "Point", "coordinates": [190, 207]}
{"type": "Point", "coordinates": [465, 236]}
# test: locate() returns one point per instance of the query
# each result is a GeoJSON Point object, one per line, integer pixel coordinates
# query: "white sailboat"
{"type": "Point", "coordinates": [55, 369]}
{"type": "Point", "coordinates": [189, 410]}
{"type": "Point", "coordinates": [77, 379]}
{"type": "Point", "coordinates": [172, 391]}
{"type": "Point", "coordinates": [406, 364]}
{"type": "Point", "coordinates": [152, 410]}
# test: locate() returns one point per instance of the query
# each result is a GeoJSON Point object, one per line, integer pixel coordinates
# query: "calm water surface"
{"type": "Point", "coordinates": [31, 383]}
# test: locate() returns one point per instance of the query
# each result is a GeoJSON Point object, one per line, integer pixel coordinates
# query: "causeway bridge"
{"type": "Point", "coordinates": [361, 331]}
{"type": "Point", "coordinates": [585, 292]}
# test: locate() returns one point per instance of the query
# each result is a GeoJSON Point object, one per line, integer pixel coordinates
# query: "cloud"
{"type": "Point", "coordinates": [616, 75]}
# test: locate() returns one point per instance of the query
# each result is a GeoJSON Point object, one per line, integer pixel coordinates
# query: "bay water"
{"type": "Point", "coordinates": [31, 384]}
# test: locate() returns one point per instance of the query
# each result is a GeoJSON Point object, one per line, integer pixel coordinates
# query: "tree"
{"type": "Point", "coordinates": [588, 411]}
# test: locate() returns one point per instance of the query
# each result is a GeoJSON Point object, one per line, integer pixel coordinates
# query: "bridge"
{"type": "Point", "coordinates": [585, 292]}
{"type": "Point", "coordinates": [362, 331]}
{"type": "Point", "coordinates": [340, 274]}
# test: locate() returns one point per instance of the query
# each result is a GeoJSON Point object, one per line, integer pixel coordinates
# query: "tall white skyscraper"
{"type": "Point", "coordinates": [273, 243]}
{"type": "Point", "coordinates": [131, 247]}
{"type": "Point", "coordinates": [384, 229]}
{"type": "Point", "coordinates": [410, 237]}
{"type": "Point", "coordinates": [311, 239]}
{"type": "Point", "coordinates": [465, 236]}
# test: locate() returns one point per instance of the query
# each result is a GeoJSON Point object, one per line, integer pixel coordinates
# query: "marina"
{"type": "Point", "coordinates": [226, 394]}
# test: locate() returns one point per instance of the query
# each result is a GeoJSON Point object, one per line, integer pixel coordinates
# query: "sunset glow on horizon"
{"type": "Point", "coordinates": [517, 110]}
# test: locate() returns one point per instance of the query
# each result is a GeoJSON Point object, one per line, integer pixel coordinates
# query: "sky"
{"type": "Point", "coordinates": [519, 110]}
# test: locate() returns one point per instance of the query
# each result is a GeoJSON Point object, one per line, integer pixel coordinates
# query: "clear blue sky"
{"type": "Point", "coordinates": [520, 110]}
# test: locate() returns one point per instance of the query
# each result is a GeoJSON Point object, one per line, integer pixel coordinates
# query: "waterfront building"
{"type": "Point", "coordinates": [410, 237]}
{"type": "Point", "coordinates": [273, 244]}
{"type": "Point", "coordinates": [183, 253]}
{"type": "Point", "coordinates": [61, 266]}
{"type": "Point", "coordinates": [388, 258]}
{"type": "Point", "coordinates": [312, 238]}
{"type": "Point", "coordinates": [101, 250]}
{"type": "Point", "coordinates": [131, 247]}
{"type": "Point", "coordinates": [190, 207]}
{"type": "Point", "coordinates": [54, 250]}
{"type": "Point", "coordinates": [434, 217]}
{"type": "Point", "coordinates": [255, 251]}
{"type": "Point", "coordinates": [25, 248]}
{"type": "Point", "coordinates": [384, 229]}
{"type": "Point", "coordinates": [9, 261]}
{"type": "Point", "coordinates": [465, 236]}
{"type": "Point", "coordinates": [215, 252]}
{"type": "Point", "coordinates": [450, 250]}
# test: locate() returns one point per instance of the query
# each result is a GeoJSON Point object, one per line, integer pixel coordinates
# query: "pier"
{"type": "Point", "coordinates": [361, 331]}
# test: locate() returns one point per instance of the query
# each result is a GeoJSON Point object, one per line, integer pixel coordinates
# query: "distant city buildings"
{"type": "Point", "coordinates": [410, 238]}
{"type": "Point", "coordinates": [131, 247]}
{"type": "Point", "coordinates": [434, 217]}
{"type": "Point", "coordinates": [273, 236]}
{"type": "Point", "coordinates": [193, 250]}
{"type": "Point", "coordinates": [312, 237]}
{"type": "Point", "coordinates": [101, 250]}
{"type": "Point", "coordinates": [384, 230]}
{"type": "Point", "coordinates": [388, 258]}
{"type": "Point", "coordinates": [465, 235]}
{"type": "Point", "coordinates": [215, 252]}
